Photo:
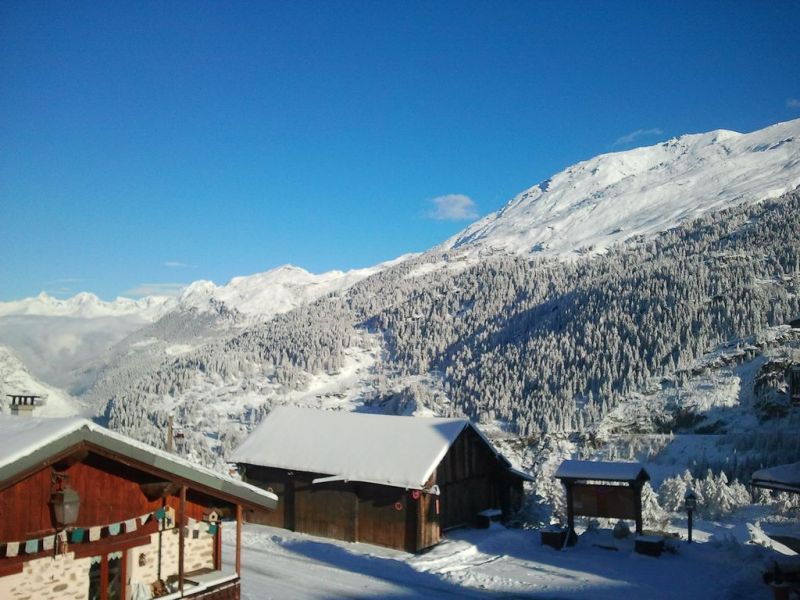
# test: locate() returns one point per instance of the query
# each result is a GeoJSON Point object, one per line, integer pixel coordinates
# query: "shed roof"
{"type": "Point", "coordinates": [782, 477]}
{"type": "Point", "coordinates": [30, 442]}
{"type": "Point", "coordinates": [602, 471]}
{"type": "Point", "coordinates": [383, 449]}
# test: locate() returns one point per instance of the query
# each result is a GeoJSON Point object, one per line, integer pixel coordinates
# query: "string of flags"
{"type": "Point", "coordinates": [77, 535]}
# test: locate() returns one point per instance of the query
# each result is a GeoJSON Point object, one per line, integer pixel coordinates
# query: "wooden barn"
{"type": "Point", "coordinates": [89, 513]}
{"type": "Point", "coordinates": [386, 480]}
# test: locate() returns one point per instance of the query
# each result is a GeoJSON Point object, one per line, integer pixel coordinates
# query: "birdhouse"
{"type": "Point", "coordinates": [211, 515]}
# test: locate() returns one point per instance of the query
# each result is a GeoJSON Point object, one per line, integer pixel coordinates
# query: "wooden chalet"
{"type": "Point", "coordinates": [386, 480]}
{"type": "Point", "coordinates": [89, 513]}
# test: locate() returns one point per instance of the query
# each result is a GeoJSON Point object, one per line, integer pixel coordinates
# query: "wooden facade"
{"type": "Point", "coordinates": [470, 478]}
{"type": "Point", "coordinates": [137, 525]}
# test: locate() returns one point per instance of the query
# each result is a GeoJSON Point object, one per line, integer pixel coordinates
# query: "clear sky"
{"type": "Point", "coordinates": [148, 144]}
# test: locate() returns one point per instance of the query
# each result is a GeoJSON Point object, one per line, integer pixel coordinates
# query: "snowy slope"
{"type": "Point", "coordinates": [15, 379]}
{"type": "Point", "coordinates": [612, 197]}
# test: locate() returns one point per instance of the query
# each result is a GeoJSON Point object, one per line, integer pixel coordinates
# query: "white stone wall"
{"type": "Point", "coordinates": [67, 578]}
{"type": "Point", "coordinates": [198, 554]}
{"type": "Point", "coordinates": [60, 578]}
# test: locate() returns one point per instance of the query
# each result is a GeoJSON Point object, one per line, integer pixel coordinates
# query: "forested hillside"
{"type": "Point", "coordinates": [540, 345]}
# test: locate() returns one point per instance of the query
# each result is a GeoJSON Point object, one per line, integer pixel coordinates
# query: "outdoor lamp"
{"type": "Point", "coordinates": [66, 504]}
{"type": "Point", "coordinates": [690, 501]}
{"type": "Point", "coordinates": [690, 498]}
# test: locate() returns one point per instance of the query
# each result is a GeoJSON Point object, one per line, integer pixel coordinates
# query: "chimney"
{"type": "Point", "coordinates": [22, 405]}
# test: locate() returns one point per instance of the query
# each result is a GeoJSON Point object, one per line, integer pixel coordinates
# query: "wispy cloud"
{"type": "Point", "coordinates": [793, 103]}
{"type": "Point", "coordinates": [631, 137]}
{"type": "Point", "coordinates": [155, 289]}
{"type": "Point", "coordinates": [175, 264]}
{"type": "Point", "coordinates": [453, 207]}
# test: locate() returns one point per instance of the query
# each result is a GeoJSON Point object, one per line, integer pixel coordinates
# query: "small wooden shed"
{"type": "Point", "coordinates": [90, 513]}
{"type": "Point", "coordinates": [387, 480]}
{"type": "Point", "coordinates": [603, 489]}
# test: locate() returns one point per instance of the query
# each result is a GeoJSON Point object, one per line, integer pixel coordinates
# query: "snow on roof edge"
{"type": "Point", "coordinates": [786, 477]}
{"type": "Point", "coordinates": [399, 451]}
{"type": "Point", "coordinates": [601, 470]}
{"type": "Point", "coordinates": [39, 433]}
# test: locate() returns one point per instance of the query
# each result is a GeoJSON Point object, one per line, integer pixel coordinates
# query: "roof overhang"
{"type": "Point", "coordinates": [138, 456]}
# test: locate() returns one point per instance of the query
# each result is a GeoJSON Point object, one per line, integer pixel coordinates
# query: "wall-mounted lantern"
{"type": "Point", "coordinates": [690, 501]}
{"type": "Point", "coordinates": [65, 501]}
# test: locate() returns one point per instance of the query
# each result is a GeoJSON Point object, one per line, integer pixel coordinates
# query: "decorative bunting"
{"type": "Point", "coordinates": [79, 534]}
{"type": "Point", "coordinates": [76, 536]}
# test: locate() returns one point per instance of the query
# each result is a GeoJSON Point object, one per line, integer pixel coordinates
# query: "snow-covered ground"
{"type": "Point", "coordinates": [502, 563]}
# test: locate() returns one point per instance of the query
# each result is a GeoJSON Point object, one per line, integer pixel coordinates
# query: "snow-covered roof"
{"type": "Point", "coordinates": [601, 471]}
{"type": "Point", "coordinates": [29, 442]}
{"type": "Point", "coordinates": [383, 449]}
{"type": "Point", "coordinates": [782, 477]}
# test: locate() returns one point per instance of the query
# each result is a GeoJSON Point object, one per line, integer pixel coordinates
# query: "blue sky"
{"type": "Point", "coordinates": [152, 144]}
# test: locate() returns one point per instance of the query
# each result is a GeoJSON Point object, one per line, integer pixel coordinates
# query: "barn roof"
{"type": "Point", "coordinates": [782, 477]}
{"type": "Point", "coordinates": [601, 470]}
{"type": "Point", "coordinates": [28, 443]}
{"type": "Point", "coordinates": [382, 449]}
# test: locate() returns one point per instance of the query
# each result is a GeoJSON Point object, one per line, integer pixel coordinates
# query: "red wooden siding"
{"type": "Point", "coordinates": [109, 493]}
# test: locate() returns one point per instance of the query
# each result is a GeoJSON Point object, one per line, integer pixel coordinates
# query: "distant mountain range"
{"type": "Point", "coordinates": [486, 324]}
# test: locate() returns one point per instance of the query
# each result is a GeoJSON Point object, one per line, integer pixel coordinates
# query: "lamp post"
{"type": "Point", "coordinates": [690, 501]}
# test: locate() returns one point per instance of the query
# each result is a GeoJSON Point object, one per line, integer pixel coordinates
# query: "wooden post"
{"type": "Point", "coordinates": [181, 517]}
{"type": "Point", "coordinates": [638, 488]}
{"type": "Point", "coordinates": [570, 509]}
{"type": "Point", "coordinates": [239, 540]}
{"type": "Point", "coordinates": [169, 434]}
{"type": "Point", "coordinates": [218, 547]}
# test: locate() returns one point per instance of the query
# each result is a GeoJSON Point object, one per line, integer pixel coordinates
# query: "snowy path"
{"type": "Point", "coordinates": [497, 563]}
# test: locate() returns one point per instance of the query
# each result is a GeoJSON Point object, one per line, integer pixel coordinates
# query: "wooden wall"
{"type": "Point", "coordinates": [109, 493]}
{"type": "Point", "coordinates": [387, 516]}
{"type": "Point", "coordinates": [470, 478]}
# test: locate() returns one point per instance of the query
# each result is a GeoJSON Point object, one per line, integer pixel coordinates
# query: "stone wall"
{"type": "Point", "coordinates": [198, 554]}
{"type": "Point", "coordinates": [50, 578]}
{"type": "Point", "coordinates": [65, 578]}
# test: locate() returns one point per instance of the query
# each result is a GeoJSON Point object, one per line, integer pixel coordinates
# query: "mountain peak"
{"type": "Point", "coordinates": [609, 198]}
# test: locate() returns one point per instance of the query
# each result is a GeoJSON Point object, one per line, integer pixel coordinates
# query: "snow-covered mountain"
{"type": "Point", "coordinates": [530, 345]}
{"type": "Point", "coordinates": [274, 292]}
{"type": "Point", "coordinates": [613, 197]}
{"type": "Point", "coordinates": [88, 306]}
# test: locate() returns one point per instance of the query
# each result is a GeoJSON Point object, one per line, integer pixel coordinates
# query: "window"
{"type": "Point", "coordinates": [106, 577]}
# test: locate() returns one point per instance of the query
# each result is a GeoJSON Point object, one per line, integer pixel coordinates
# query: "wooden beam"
{"type": "Point", "coordinates": [239, 540]}
{"type": "Point", "coordinates": [181, 539]}
{"type": "Point", "coordinates": [570, 509]}
{"type": "Point", "coordinates": [218, 547]}
{"type": "Point", "coordinates": [97, 548]}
